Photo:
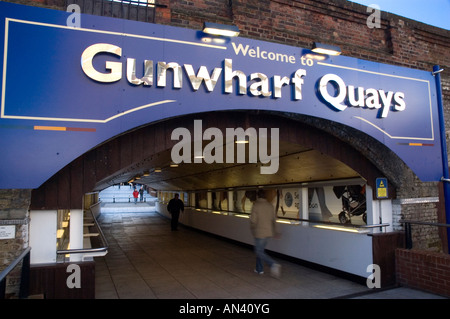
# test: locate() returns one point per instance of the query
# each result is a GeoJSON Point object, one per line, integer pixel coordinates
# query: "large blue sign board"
{"type": "Point", "coordinates": [66, 89]}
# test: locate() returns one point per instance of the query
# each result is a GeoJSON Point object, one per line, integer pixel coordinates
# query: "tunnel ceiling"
{"type": "Point", "coordinates": [296, 164]}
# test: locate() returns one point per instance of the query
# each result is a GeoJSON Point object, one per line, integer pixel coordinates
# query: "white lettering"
{"type": "Point", "coordinates": [298, 82]}
{"type": "Point", "coordinates": [359, 97]}
{"type": "Point", "coordinates": [278, 83]}
{"type": "Point", "coordinates": [74, 279]}
{"type": "Point", "coordinates": [331, 88]}
{"type": "Point", "coordinates": [386, 99]}
{"type": "Point", "coordinates": [115, 68]}
{"type": "Point", "coordinates": [213, 151]}
{"type": "Point", "coordinates": [374, 20]}
{"type": "Point", "coordinates": [398, 98]}
{"type": "Point", "coordinates": [230, 74]}
{"type": "Point", "coordinates": [184, 146]}
{"type": "Point", "coordinates": [207, 310]}
{"type": "Point", "coordinates": [374, 279]}
{"type": "Point", "coordinates": [261, 87]}
{"type": "Point", "coordinates": [74, 20]}
{"type": "Point", "coordinates": [262, 54]}
{"type": "Point", "coordinates": [333, 100]}
{"type": "Point", "coordinates": [246, 308]}
{"type": "Point", "coordinates": [202, 76]}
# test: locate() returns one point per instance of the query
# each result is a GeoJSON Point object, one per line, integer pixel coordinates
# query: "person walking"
{"type": "Point", "coordinates": [135, 195]}
{"type": "Point", "coordinates": [262, 225]}
{"type": "Point", "coordinates": [174, 207]}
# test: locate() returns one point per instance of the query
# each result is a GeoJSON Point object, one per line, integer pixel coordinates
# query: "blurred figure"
{"type": "Point", "coordinates": [262, 225]}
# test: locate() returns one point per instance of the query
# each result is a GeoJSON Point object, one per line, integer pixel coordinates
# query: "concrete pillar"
{"type": "Point", "coordinates": [230, 201]}
{"type": "Point", "coordinates": [304, 205]}
{"type": "Point", "coordinates": [209, 199]}
{"type": "Point", "coordinates": [76, 233]}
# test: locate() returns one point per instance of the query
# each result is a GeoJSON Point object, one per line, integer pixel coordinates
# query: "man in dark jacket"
{"type": "Point", "coordinates": [174, 207]}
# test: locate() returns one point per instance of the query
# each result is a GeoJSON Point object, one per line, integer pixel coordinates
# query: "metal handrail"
{"type": "Point", "coordinates": [335, 224]}
{"type": "Point", "coordinates": [408, 235]}
{"type": "Point", "coordinates": [24, 280]}
{"type": "Point", "coordinates": [88, 250]}
{"type": "Point", "coordinates": [305, 220]}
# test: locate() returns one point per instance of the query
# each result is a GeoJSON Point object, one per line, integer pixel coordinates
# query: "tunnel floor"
{"type": "Point", "coordinates": [147, 260]}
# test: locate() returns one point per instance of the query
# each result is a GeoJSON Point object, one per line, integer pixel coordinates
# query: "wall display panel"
{"type": "Point", "coordinates": [341, 203]}
{"type": "Point", "coordinates": [201, 200]}
{"type": "Point", "coordinates": [244, 201]}
{"type": "Point", "coordinates": [287, 202]}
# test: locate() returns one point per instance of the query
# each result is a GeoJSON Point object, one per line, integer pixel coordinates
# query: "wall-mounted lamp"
{"type": "Point", "coordinates": [326, 49]}
{"type": "Point", "coordinates": [158, 170]}
{"type": "Point", "coordinates": [220, 29]}
{"type": "Point", "coordinates": [242, 141]}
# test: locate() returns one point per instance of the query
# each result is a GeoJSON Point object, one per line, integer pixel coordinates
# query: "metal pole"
{"type": "Point", "coordinates": [408, 237]}
{"type": "Point", "coordinates": [445, 178]}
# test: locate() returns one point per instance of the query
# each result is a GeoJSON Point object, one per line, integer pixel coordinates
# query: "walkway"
{"type": "Point", "coordinates": [147, 260]}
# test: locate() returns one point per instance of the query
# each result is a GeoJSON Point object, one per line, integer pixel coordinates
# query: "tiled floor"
{"type": "Point", "coordinates": [147, 260]}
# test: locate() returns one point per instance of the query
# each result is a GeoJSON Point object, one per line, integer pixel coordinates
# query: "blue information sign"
{"type": "Point", "coordinates": [67, 89]}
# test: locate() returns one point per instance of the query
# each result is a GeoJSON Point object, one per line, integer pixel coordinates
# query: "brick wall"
{"type": "Point", "coordinates": [429, 271]}
{"type": "Point", "coordinates": [14, 205]}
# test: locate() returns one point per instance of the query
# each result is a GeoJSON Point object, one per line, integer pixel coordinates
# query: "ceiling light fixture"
{"type": "Point", "coordinates": [220, 29]}
{"type": "Point", "coordinates": [326, 49]}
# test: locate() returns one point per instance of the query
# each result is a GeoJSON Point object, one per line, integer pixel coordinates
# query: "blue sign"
{"type": "Point", "coordinates": [67, 89]}
{"type": "Point", "coordinates": [381, 188]}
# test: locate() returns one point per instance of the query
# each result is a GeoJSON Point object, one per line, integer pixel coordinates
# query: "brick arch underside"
{"type": "Point", "coordinates": [66, 188]}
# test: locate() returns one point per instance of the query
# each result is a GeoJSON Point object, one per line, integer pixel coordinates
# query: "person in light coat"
{"type": "Point", "coordinates": [263, 227]}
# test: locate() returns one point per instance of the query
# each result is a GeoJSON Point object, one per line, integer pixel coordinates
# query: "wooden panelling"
{"type": "Point", "coordinates": [383, 247]}
{"type": "Point", "coordinates": [51, 281]}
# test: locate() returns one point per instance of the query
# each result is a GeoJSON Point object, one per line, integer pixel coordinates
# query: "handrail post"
{"type": "Point", "coordinates": [24, 280]}
{"type": "Point", "coordinates": [24, 289]}
{"type": "Point", "coordinates": [2, 288]}
{"type": "Point", "coordinates": [408, 237]}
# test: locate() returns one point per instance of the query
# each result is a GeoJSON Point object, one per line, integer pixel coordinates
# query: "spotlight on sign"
{"type": "Point", "coordinates": [326, 49]}
{"type": "Point", "coordinates": [220, 29]}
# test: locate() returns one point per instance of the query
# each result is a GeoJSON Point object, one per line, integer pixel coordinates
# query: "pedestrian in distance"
{"type": "Point", "coordinates": [141, 194]}
{"type": "Point", "coordinates": [263, 227]}
{"type": "Point", "coordinates": [135, 195]}
{"type": "Point", "coordinates": [175, 207]}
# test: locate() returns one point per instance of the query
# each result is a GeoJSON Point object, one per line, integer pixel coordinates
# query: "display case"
{"type": "Point", "coordinates": [342, 202]}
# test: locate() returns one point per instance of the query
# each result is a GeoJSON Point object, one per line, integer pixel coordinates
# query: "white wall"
{"type": "Point", "coordinates": [43, 236]}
